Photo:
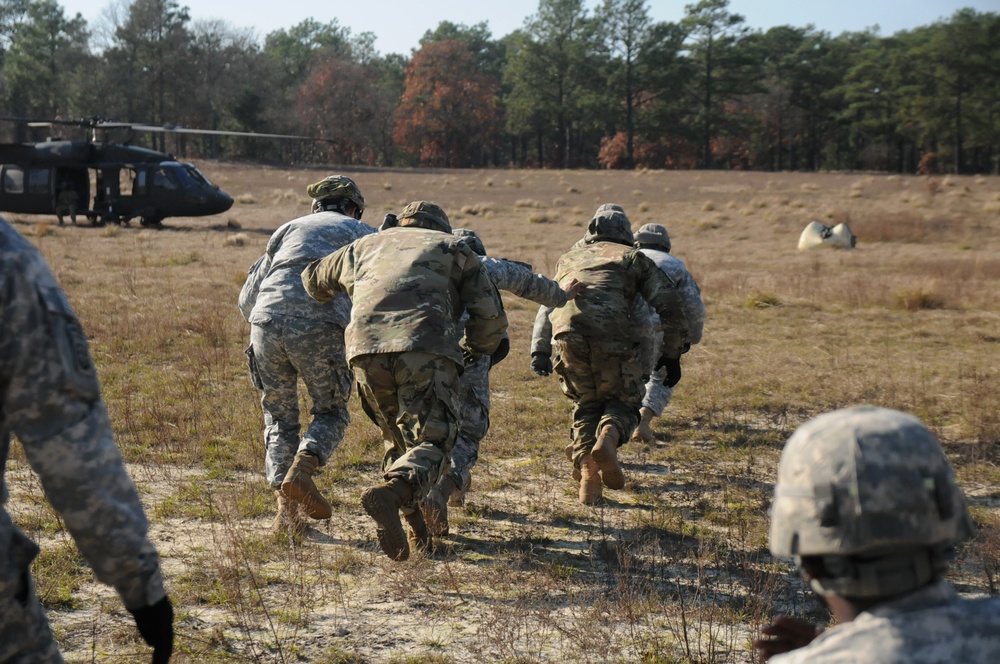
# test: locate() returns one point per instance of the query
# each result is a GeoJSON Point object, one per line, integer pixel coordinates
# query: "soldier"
{"type": "Point", "coordinates": [410, 286]}
{"type": "Point", "coordinates": [50, 399]}
{"type": "Point", "coordinates": [654, 241]}
{"type": "Point", "coordinates": [595, 338]}
{"type": "Point", "coordinates": [866, 502]}
{"type": "Point", "coordinates": [292, 336]}
{"type": "Point", "coordinates": [519, 279]}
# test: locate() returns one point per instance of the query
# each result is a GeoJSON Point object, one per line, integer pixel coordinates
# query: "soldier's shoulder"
{"type": "Point", "coordinates": [15, 248]}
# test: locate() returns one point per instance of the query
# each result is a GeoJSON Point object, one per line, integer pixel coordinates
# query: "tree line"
{"type": "Point", "coordinates": [572, 88]}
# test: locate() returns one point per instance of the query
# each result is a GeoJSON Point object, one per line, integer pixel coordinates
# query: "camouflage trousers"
{"type": "Point", "coordinates": [603, 378]}
{"type": "Point", "coordinates": [474, 421]}
{"type": "Point", "coordinates": [414, 398]}
{"type": "Point", "coordinates": [657, 394]}
{"type": "Point", "coordinates": [286, 349]}
{"type": "Point", "coordinates": [25, 636]}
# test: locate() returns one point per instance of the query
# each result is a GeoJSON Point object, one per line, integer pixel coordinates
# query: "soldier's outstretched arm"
{"type": "Point", "coordinates": [326, 277]}
{"type": "Point", "coordinates": [487, 320]}
{"type": "Point", "coordinates": [541, 333]}
{"type": "Point", "coordinates": [519, 279]}
{"type": "Point", "coordinates": [52, 403]}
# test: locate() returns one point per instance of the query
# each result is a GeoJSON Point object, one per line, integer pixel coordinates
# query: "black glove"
{"type": "Point", "coordinates": [500, 353]}
{"type": "Point", "coordinates": [541, 363]}
{"type": "Point", "coordinates": [389, 221]}
{"type": "Point", "coordinates": [685, 348]}
{"type": "Point", "coordinates": [156, 625]}
{"type": "Point", "coordinates": [673, 366]}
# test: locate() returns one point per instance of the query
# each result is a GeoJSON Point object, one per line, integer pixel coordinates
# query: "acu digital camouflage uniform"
{"type": "Point", "coordinates": [596, 340]}
{"type": "Point", "coordinates": [867, 503]}
{"type": "Point", "coordinates": [409, 287]}
{"type": "Point", "coordinates": [474, 420]}
{"type": "Point", "coordinates": [656, 246]}
{"type": "Point", "coordinates": [293, 336]}
{"type": "Point", "coordinates": [50, 399]}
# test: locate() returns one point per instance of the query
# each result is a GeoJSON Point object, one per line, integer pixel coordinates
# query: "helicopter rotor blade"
{"type": "Point", "coordinates": [220, 132]}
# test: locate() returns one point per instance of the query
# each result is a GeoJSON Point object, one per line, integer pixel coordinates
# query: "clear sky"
{"type": "Point", "coordinates": [399, 24]}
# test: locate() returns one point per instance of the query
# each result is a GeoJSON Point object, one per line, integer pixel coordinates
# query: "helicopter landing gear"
{"type": "Point", "coordinates": [151, 222]}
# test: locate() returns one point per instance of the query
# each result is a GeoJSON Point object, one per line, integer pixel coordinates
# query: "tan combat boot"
{"type": "Point", "coordinates": [605, 454]}
{"type": "Point", "coordinates": [569, 456]}
{"type": "Point", "coordinates": [287, 520]}
{"type": "Point", "coordinates": [382, 504]}
{"type": "Point", "coordinates": [419, 537]}
{"type": "Point", "coordinates": [642, 433]}
{"type": "Point", "coordinates": [590, 481]}
{"type": "Point", "coordinates": [298, 486]}
{"type": "Point", "coordinates": [435, 506]}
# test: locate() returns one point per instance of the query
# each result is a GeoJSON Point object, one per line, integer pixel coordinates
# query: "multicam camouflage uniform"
{"type": "Point", "coordinates": [409, 287]}
{"type": "Point", "coordinates": [596, 342]}
{"type": "Point", "coordinates": [657, 394]}
{"type": "Point", "coordinates": [294, 336]}
{"type": "Point", "coordinates": [519, 279]}
{"type": "Point", "coordinates": [50, 399]}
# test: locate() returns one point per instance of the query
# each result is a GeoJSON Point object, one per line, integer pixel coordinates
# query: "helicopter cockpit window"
{"type": "Point", "coordinates": [197, 175]}
{"type": "Point", "coordinates": [38, 181]}
{"type": "Point", "coordinates": [161, 178]}
{"type": "Point", "coordinates": [13, 180]}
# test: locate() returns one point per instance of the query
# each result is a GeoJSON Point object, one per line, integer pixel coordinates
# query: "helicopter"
{"type": "Point", "coordinates": [54, 176]}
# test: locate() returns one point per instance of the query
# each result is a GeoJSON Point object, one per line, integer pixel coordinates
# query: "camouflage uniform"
{"type": "Point", "coordinates": [409, 286]}
{"type": "Point", "coordinates": [51, 401]}
{"type": "Point", "coordinates": [596, 340]}
{"type": "Point", "coordinates": [519, 279]}
{"type": "Point", "coordinates": [930, 626]}
{"type": "Point", "coordinates": [293, 336]}
{"type": "Point", "coordinates": [657, 394]}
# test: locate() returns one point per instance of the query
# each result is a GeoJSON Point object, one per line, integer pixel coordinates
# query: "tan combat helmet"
{"type": "Point", "coordinates": [653, 235]}
{"type": "Point", "coordinates": [333, 188]}
{"type": "Point", "coordinates": [610, 223]}
{"type": "Point", "coordinates": [870, 492]}
{"type": "Point", "coordinates": [425, 215]}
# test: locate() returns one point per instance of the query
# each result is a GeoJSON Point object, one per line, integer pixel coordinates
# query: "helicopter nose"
{"type": "Point", "coordinates": [221, 202]}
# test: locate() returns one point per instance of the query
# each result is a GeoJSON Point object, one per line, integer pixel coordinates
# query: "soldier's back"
{"type": "Point", "coordinates": [602, 309]}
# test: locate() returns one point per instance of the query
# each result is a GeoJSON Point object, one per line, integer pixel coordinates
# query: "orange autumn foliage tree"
{"type": "Point", "coordinates": [448, 115]}
{"type": "Point", "coordinates": [339, 103]}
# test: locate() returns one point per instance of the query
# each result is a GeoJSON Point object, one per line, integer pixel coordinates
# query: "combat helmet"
{"type": "Point", "coordinates": [868, 493]}
{"type": "Point", "coordinates": [471, 239]}
{"type": "Point", "coordinates": [425, 215]}
{"type": "Point", "coordinates": [611, 224]}
{"type": "Point", "coordinates": [653, 235]}
{"type": "Point", "coordinates": [334, 188]}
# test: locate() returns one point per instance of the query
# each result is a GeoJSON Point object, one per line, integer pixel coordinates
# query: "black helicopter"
{"type": "Point", "coordinates": [53, 176]}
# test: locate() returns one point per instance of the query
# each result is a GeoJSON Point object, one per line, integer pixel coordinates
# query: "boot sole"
{"type": "Point", "coordinates": [391, 536]}
{"type": "Point", "coordinates": [611, 471]}
{"type": "Point", "coordinates": [312, 508]}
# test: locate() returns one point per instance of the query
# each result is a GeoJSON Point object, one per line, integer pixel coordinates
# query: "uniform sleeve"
{"type": "Point", "coordinates": [541, 333]}
{"type": "Point", "coordinates": [518, 279]}
{"type": "Point", "coordinates": [647, 323]}
{"type": "Point", "coordinates": [326, 277]}
{"type": "Point", "coordinates": [661, 293]}
{"type": "Point", "coordinates": [487, 320]}
{"type": "Point", "coordinates": [694, 309]}
{"type": "Point", "coordinates": [251, 287]}
{"type": "Point", "coordinates": [52, 403]}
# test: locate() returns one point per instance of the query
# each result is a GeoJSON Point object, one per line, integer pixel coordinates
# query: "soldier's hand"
{"type": "Point", "coordinates": [574, 288]}
{"type": "Point", "coordinates": [156, 625]}
{"type": "Point", "coordinates": [541, 364]}
{"type": "Point", "coordinates": [784, 635]}
{"type": "Point", "coordinates": [673, 367]}
{"type": "Point", "coordinates": [685, 348]}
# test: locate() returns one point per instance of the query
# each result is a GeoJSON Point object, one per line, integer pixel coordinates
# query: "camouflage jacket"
{"type": "Point", "coordinates": [50, 399]}
{"type": "Point", "coordinates": [409, 288]}
{"type": "Point", "coordinates": [517, 278]}
{"type": "Point", "coordinates": [929, 626]}
{"type": "Point", "coordinates": [274, 282]}
{"type": "Point", "coordinates": [687, 288]}
{"type": "Point", "coordinates": [616, 276]}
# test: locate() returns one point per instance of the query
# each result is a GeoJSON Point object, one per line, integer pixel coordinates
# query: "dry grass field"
{"type": "Point", "coordinates": [675, 567]}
